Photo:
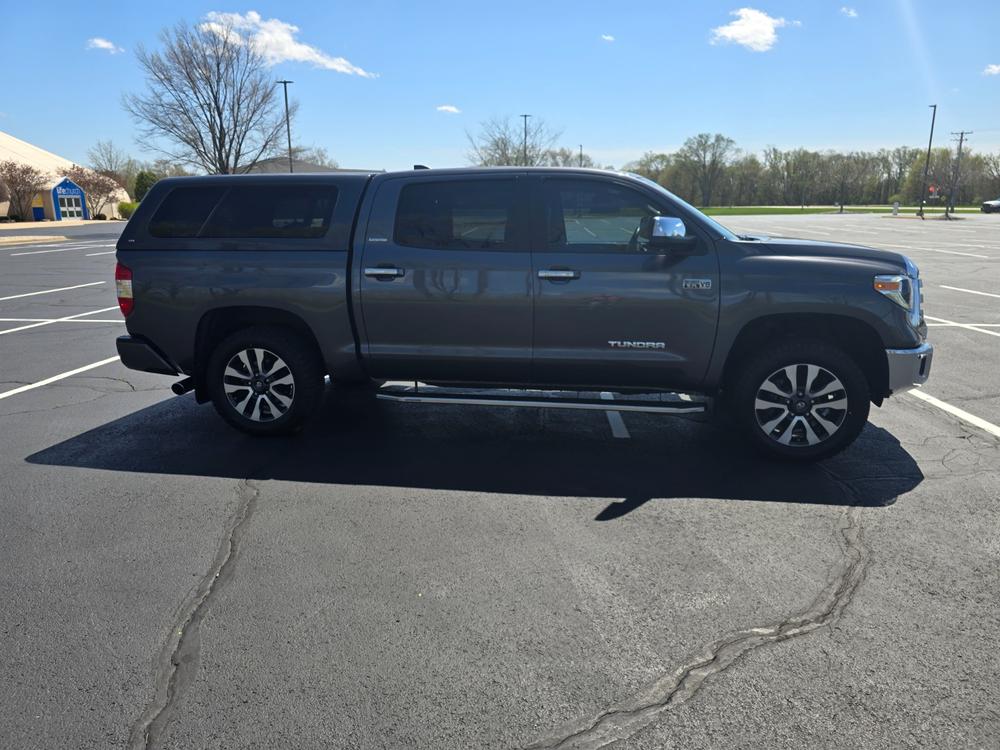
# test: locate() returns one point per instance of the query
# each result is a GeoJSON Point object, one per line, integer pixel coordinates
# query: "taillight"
{"type": "Point", "coordinates": [123, 286]}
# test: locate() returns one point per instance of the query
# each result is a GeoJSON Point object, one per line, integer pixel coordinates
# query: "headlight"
{"type": "Point", "coordinates": [897, 288]}
{"type": "Point", "coordinates": [904, 290]}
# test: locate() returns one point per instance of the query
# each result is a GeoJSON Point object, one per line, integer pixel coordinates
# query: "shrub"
{"type": "Point", "coordinates": [896, 198]}
{"type": "Point", "coordinates": [101, 217]}
{"type": "Point", "coordinates": [126, 209]}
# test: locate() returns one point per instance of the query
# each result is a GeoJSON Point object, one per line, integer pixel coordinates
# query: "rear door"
{"type": "Point", "coordinates": [608, 310]}
{"type": "Point", "coordinates": [445, 279]}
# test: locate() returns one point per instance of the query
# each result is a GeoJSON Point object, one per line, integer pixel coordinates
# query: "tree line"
{"type": "Point", "coordinates": [710, 170]}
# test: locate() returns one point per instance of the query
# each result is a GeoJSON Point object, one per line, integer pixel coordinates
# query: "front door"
{"type": "Point", "coordinates": [445, 280]}
{"type": "Point", "coordinates": [609, 311]}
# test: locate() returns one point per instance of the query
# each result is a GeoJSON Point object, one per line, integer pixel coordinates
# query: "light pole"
{"type": "Point", "coordinates": [525, 147]}
{"type": "Point", "coordinates": [581, 155]}
{"type": "Point", "coordinates": [288, 125]}
{"type": "Point", "coordinates": [927, 164]}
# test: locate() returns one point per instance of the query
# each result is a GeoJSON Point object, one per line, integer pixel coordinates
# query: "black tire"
{"type": "Point", "coordinates": [825, 419]}
{"type": "Point", "coordinates": [283, 386]}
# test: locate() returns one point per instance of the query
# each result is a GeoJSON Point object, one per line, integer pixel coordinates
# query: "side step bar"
{"type": "Point", "coordinates": [656, 403]}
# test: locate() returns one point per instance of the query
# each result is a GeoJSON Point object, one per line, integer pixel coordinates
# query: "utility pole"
{"type": "Point", "coordinates": [581, 155]}
{"type": "Point", "coordinates": [288, 125]}
{"type": "Point", "coordinates": [525, 148]}
{"type": "Point", "coordinates": [927, 164]}
{"type": "Point", "coordinates": [958, 171]}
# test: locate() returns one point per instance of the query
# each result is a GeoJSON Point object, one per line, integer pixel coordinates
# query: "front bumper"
{"type": "Point", "coordinates": [137, 354]}
{"type": "Point", "coordinates": [909, 368]}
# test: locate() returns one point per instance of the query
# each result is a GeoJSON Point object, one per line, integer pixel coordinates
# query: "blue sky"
{"type": "Point", "coordinates": [620, 78]}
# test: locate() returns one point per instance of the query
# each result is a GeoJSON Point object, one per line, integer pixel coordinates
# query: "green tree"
{"type": "Point", "coordinates": [144, 180]}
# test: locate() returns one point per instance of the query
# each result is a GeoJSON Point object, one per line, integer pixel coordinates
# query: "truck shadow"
{"type": "Point", "coordinates": [361, 441]}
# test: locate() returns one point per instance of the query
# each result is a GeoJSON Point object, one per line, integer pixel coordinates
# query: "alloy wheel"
{"type": "Point", "coordinates": [258, 384]}
{"type": "Point", "coordinates": [801, 405]}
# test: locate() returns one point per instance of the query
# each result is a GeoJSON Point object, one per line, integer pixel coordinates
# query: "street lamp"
{"type": "Point", "coordinates": [288, 125]}
{"type": "Point", "coordinates": [525, 157]}
{"type": "Point", "coordinates": [927, 164]}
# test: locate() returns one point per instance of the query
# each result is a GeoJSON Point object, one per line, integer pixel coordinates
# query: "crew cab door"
{"type": "Point", "coordinates": [609, 311]}
{"type": "Point", "coordinates": [445, 280]}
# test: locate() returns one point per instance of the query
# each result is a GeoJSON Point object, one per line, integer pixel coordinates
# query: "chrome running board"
{"type": "Point", "coordinates": [655, 403]}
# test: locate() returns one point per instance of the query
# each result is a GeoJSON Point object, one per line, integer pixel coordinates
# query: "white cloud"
{"type": "Point", "coordinates": [276, 41]}
{"type": "Point", "coordinates": [451, 109]}
{"type": "Point", "coordinates": [991, 70]}
{"type": "Point", "coordinates": [753, 29]}
{"type": "Point", "coordinates": [849, 12]}
{"type": "Point", "coordinates": [103, 44]}
{"type": "Point", "coordinates": [607, 37]}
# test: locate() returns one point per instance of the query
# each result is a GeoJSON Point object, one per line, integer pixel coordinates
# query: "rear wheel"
{"type": "Point", "coordinates": [801, 400]}
{"type": "Point", "coordinates": [265, 380]}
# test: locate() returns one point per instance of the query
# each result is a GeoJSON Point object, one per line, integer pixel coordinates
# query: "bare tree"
{"type": "Point", "coordinates": [209, 95]}
{"type": "Point", "coordinates": [566, 157]}
{"type": "Point", "coordinates": [22, 183]}
{"type": "Point", "coordinates": [105, 157]}
{"type": "Point", "coordinates": [98, 189]}
{"type": "Point", "coordinates": [502, 143]}
{"type": "Point", "coordinates": [706, 157]}
{"type": "Point", "coordinates": [314, 155]}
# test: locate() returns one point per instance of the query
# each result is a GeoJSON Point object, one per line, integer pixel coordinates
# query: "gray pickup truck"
{"type": "Point", "coordinates": [552, 288]}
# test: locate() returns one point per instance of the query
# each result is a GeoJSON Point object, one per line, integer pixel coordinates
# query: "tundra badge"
{"type": "Point", "coordinates": [696, 284]}
{"type": "Point", "coordinates": [637, 345]}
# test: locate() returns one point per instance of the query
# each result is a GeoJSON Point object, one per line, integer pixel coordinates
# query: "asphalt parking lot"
{"type": "Point", "coordinates": [462, 577]}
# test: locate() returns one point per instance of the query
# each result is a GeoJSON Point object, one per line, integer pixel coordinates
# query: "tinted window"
{"type": "Point", "coordinates": [287, 211]}
{"type": "Point", "coordinates": [464, 214]}
{"type": "Point", "coordinates": [184, 211]}
{"type": "Point", "coordinates": [594, 216]}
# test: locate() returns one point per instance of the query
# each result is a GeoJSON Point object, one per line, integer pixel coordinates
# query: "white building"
{"type": "Point", "coordinates": [62, 199]}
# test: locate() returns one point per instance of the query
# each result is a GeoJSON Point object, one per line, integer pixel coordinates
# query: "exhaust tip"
{"type": "Point", "coordinates": [183, 386]}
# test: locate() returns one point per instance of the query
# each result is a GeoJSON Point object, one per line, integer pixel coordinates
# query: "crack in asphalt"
{"type": "Point", "coordinates": [177, 664]}
{"type": "Point", "coordinates": [629, 716]}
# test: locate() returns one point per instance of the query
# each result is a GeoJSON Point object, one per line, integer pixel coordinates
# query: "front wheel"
{"type": "Point", "coordinates": [265, 380]}
{"type": "Point", "coordinates": [800, 400]}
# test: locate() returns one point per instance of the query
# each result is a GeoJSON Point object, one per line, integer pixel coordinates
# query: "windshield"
{"type": "Point", "coordinates": [711, 223]}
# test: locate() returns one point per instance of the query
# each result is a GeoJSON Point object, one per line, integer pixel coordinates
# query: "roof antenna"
{"type": "Point", "coordinates": [420, 166]}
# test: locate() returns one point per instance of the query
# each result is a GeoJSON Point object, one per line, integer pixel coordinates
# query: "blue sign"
{"type": "Point", "coordinates": [68, 189]}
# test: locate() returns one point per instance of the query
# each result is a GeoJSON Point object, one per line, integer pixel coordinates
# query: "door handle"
{"type": "Point", "coordinates": [559, 274]}
{"type": "Point", "coordinates": [384, 273]}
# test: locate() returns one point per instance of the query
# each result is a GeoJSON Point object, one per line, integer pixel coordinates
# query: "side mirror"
{"type": "Point", "coordinates": [665, 233]}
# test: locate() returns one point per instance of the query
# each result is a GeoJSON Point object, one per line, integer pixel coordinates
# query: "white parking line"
{"type": "Point", "coordinates": [618, 428]}
{"type": "Point", "coordinates": [51, 291]}
{"type": "Point", "coordinates": [57, 320]}
{"type": "Point", "coordinates": [968, 291]}
{"type": "Point", "coordinates": [963, 325]}
{"type": "Point", "coordinates": [935, 250]}
{"type": "Point", "coordinates": [60, 320]}
{"type": "Point", "coordinates": [54, 378]}
{"type": "Point", "coordinates": [107, 252]}
{"type": "Point", "coordinates": [59, 250]}
{"type": "Point", "coordinates": [965, 416]}
{"type": "Point", "coordinates": [975, 325]}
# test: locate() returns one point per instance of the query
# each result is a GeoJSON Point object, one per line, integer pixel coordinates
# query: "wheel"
{"type": "Point", "coordinates": [800, 400]}
{"type": "Point", "coordinates": [265, 380]}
